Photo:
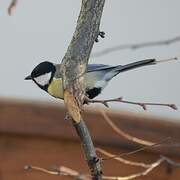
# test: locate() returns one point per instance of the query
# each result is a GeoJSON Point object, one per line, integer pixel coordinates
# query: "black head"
{"type": "Point", "coordinates": [42, 74]}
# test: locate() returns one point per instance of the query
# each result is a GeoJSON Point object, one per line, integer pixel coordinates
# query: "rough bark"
{"type": "Point", "coordinates": [74, 66]}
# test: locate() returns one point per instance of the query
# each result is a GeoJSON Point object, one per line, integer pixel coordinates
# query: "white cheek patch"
{"type": "Point", "coordinates": [43, 79]}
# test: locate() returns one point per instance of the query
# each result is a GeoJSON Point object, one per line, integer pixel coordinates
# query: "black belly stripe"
{"type": "Point", "coordinates": [93, 92]}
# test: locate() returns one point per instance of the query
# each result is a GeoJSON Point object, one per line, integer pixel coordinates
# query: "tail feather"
{"type": "Point", "coordinates": [136, 65]}
{"type": "Point", "coordinates": [114, 71]}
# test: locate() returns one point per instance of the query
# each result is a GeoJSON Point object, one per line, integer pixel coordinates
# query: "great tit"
{"type": "Point", "coordinates": [47, 76]}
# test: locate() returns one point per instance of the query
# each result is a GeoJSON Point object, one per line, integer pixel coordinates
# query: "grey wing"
{"type": "Point", "coordinates": [97, 67]}
{"type": "Point", "coordinates": [97, 75]}
{"type": "Point", "coordinates": [105, 72]}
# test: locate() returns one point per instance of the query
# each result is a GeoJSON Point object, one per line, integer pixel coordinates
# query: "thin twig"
{"type": "Point", "coordinates": [167, 60]}
{"type": "Point", "coordinates": [143, 173]}
{"type": "Point", "coordinates": [141, 104]}
{"type": "Point", "coordinates": [171, 162]}
{"type": "Point", "coordinates": [61, 171]}
{"type": "Point", "coordinates": [122, 133]}
{"type": "Point", "coordinates": [111, 156]}
{"type": "Point", "coordinates": [135, 46]}
{"type": "Point", "coordinates": [30, 167]}
{"type": "Point", "coordinates": [65, 171]}
{"type": "Point", "coordinates": [12, 6]}
{"type": "Point", "coordinates": [124, 161]}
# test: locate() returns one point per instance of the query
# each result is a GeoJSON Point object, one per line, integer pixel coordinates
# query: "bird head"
{"type": "Point", "coordinates": [42, 74]}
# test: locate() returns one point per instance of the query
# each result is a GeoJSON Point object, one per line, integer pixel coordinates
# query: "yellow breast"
{"type": "Point", "coordinates": [56, 88]}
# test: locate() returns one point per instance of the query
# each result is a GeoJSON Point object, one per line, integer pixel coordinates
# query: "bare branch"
{"type": "Point", "coordinates": [30, 167]}
{"type": "Point", "coordinates": [65, 171]}
{"type": "Point", "coordinates": [147, 171]}
{"type": "Point", "coordinates": [144, 173]}
{"type": "Point", "coordinates": [111, 156]}
{"type": "Point", "coordinates": [120, 99]}
{"type": "Point", "coordinates": [73, 66]}
{"type": "Point", "coordinates": [135, 151]}
{"type": "Point", "coordinates": [171, 162]}
{"type": "Point", "coordinates": [122, 133]}
{"type": "Point", "coordinates": [167, 60]}
{"type": "Point", "coordinates": [12, 6]}
{"type": "Point", "coordinates": [136, 46]}
{"type": "Point", "coordinates": [119, 159]}
{"type": "Point", "coordinates": [60, 171]}
{"type": "Point", "coordinates": [90, 153]}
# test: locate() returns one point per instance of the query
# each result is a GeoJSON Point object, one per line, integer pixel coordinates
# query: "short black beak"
{"type": "Point", "coordinates": [28, 77]}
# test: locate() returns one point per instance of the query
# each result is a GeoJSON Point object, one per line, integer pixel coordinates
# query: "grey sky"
{"type": "Point", "coordinates": [41, 30]}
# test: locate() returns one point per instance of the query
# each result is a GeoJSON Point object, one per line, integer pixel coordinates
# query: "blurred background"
{"type": "Point", "coordinates": [33, 130]}
{"type": "Point", "coordinates": [41, 30]}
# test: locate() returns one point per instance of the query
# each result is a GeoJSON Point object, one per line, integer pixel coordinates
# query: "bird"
{"type": "Point", "coordinates": [48, 77]}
